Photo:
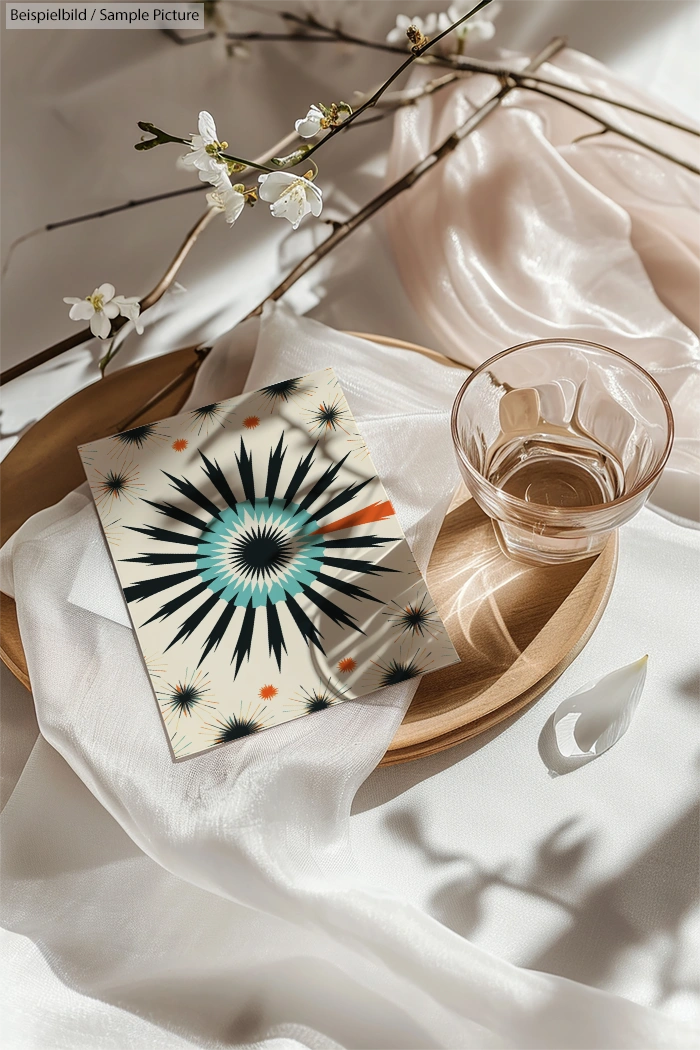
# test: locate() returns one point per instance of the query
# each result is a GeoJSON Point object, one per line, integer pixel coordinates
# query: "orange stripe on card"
{"type": "Point", "coordinates": [375, 512]}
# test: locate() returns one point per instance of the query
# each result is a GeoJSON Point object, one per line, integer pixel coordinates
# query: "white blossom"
{"type": "Point", "coordinates": [475, 29]}
{"type": "Point", "coordinates": [290, 196]}
{"type": "Point", "coordinates": [204, 152]}
{"type": "Point", "coordinates": [228, 199]}
{"type": "Point", "coordinates": [99, 309]}
{"type": "Point", "coordinates": [130, 307]}
{"type": "Point", "coordinates": [310, 125]}
{"type": "Point", "coordinates": [426, 26]}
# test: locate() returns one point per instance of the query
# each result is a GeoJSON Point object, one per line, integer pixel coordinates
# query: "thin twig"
{"type": "Point", "coordinates": [336, 34]}
{"type": "Point", "coordinates": [609, 101]}
{"type": "Point", "coordinates": [202, 353]}
{"type": "Point", "coordinates": [344, 229]}
{"type": "Point", "coordinates": [255, 36]}
{"type": "Point", "coordinates": [183, 41]}
{"type": "Point", "coordinates": [396, 99]}
{"type": "Point", "coordinates": [284, 143]}
{"type": "Point", "coordinates": [591, 135]}
{"type": "Point", "coordinates": [613, 128]}
{"type": "Point", "coordinates": [85, 334]}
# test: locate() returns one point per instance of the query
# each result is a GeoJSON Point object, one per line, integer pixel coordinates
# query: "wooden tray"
{"type": "Point", "coordinates": [516, 627]}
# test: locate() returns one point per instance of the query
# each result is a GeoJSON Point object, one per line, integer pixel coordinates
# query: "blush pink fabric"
{"type": "Point", "coordinates": [522, 233]}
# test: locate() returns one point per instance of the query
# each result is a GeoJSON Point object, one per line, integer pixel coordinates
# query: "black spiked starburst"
{"type": "Point", "coordinates": [329, 417]}
{"type": "Point", "coordinates": [235, 726]}
{"type": "Point", "coordinates": [398, 670]}
{"type": "Point", "coordinates": [258, 554]}
{"type": "Point", "coordinates": [276, 392]}
{"type": "Point", "coordinates": [261, 552]}
{"type": "Point", "coordinates": [183, 697]}
{"type": "Point", "coordinates": [317, 700]}
{"type": "Point", "coordinates": [116, 485]}
{"type": "Point", "coordinates": [417, 618]}
{"type": "Point", "coordinates": [204, 418]}
{"type": "Point", "coordinates": [135, 439]}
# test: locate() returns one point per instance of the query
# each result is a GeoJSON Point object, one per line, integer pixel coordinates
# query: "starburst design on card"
{"type": "Point", "coordinates": [263, 550]}
{"type": "Point", "coordinates": [266, 573]}
{"type": "Point", "coordinates": [317, 700]}
{"type": "Point", "coordinates": [249, 719]}
{"type": "Point", "coordinates": [329, 417]}
{"type": "Point", "coordinates": [287, 392]}
{"type": "Point", "coordinates": [402, 668]}
{"type": "Point", "coordinates": [281, 391]}
{"type": "Point", "coordinates": [116, 486]}
{"type": "Point", "coordinates": [418, 618]}
{"type": "Point", "coordinates": [317, 697]}
{"type": "Point", "coordinates": [206, 418]}
{"type": "Point", "coordinates": [130, 442]}
{"type": "Point", "coordinates": [192, 693]}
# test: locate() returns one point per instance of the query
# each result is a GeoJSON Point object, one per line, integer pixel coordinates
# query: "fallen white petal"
{"type": "Point", "coordinates": [594, 718]}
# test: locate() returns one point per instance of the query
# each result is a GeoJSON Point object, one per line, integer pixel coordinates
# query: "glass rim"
{"type": "Point", "coordinates": [557, 513]}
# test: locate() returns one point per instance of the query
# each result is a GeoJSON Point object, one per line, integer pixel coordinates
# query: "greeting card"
{"type": "Point", "coordinates": [265, 572]}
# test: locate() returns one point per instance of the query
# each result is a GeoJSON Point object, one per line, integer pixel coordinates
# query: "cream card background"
{"type": "Point", "coordinates": [266, 573]}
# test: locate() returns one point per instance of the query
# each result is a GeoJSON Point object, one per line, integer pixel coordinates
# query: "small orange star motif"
{"type": "Point", "coordinates": [267, 692]}
{"type": "Point", "coordinates": [347, 665]}
{"type": "Point", "coordinates": [180, 445]}
{"type": "Point", "coordinates": [251, 422]}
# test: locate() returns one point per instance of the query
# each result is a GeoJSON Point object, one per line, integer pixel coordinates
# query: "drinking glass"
{"type": "Point", "coordinates": [560, 442]}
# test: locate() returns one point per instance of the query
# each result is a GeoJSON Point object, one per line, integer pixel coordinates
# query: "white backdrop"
{"type": "Point", "coordinates": [591, 875]}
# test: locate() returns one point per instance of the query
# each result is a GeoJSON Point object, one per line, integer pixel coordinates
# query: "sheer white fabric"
{"type": "Point", "coordinates": [258, 924]}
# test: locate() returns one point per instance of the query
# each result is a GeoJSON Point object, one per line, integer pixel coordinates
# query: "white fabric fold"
{"type": "Point", "coordinates": [256, 894]}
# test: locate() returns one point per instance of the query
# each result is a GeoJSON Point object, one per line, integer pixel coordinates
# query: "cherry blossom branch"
{"type": "Point", "coordinates": [343, 230]}
{"type": "Point", "coordinates": [418, 50]}
{"type": "Point", "coordinates": [334, 34]}
{"type": "Point", "coordinates": [84, 335]}
{"type": "Point", "coordinates": [390, 104]}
